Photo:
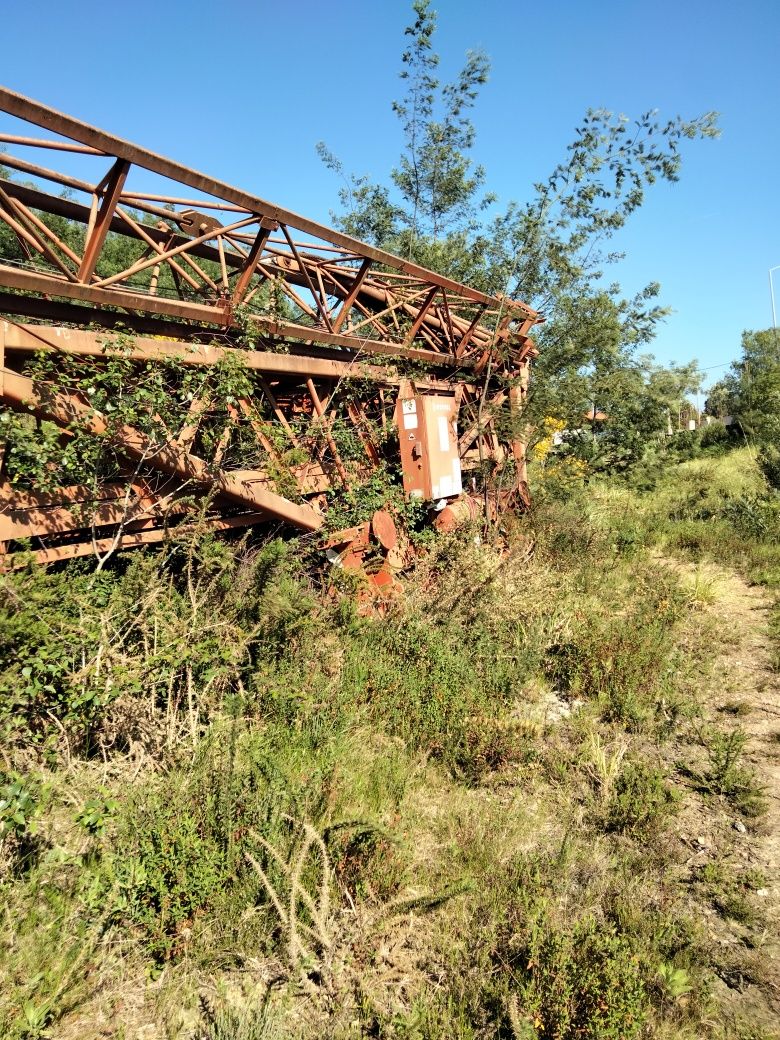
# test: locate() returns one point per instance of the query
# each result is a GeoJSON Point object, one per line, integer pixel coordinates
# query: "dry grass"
{"type": "Point", "coordinates": [406, 826]}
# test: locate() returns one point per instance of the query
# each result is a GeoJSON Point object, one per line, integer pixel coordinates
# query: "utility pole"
{"type": "Point", "coordinates": [772, 297]}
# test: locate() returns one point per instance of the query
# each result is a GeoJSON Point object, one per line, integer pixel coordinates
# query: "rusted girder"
{"type": "Point", "coordinates": [239, 487]}
{"type": "Point", "coordinates": [351, 294]}
{"type": "Point", "coordinates": [57, 122]}
{"type": "Point", "coordinates": [27, 339]}
{"type": "Point", "coordinates": [204, 271]}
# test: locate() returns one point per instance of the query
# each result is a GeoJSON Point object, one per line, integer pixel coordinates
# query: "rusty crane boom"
{"type": "Point", "coordinates": [333, 334]}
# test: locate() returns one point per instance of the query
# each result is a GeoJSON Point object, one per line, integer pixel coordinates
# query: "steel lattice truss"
{"type": "Point", "coordinates": [205, 270]}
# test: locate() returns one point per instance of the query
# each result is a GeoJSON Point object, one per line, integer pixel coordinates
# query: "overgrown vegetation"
{"type": "Point", "coordinates": [235, 805]}
{"type": "Point", "coordinates": [459, 819]}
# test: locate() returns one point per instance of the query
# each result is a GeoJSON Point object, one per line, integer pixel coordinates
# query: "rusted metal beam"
{"type": "Point", "coordinates": [41, 115]}
{"type": "Point", "coordinates": [23, 166]}
{"type": "Point", "coordinates": [516, 403]}
{"type": "Point", "coordinates": [63, 408]}
{"type": "Point", "coordinates": [26, 515]}
{"type": "Point", "coordinates": [318, 407]}
{"type": "Point", "coordinates": [470, 435]}
{"type": "Point", "coordinates": [72, 210]}
{"type": "Point", "coordinates": [214, 315]}
{"type": "Point", "coordinates": [46, 142]}
{"type": "Point", "coordinates": [241, 286]}
{"type": "Point", "coordinates": [32, 238]}
{"type": "Point", "coordinates": [399, 304]}
{"type": "Point", "coordinates": [127, 540]}
{"type": "Point", "coordinates": [278, 412]}
{"type": "Point", "coordinates": [159, 248]}
{"type": "Point", "coordinates": [422, 311]}
{"type": "Point", "coordinates": [369, 290]}
{"type": "Point", "coordinates": [169, 253]}
{"type": "Point", "coordinates": [318, 301]}
{"type": "Point", "coordinates": [359, 421]}
{"type": "Point", "coordinates": [57, 312]}
{"type": "Point", "coordinates": [31, 338]}
{"type": "Point", "coordinates": [114, 183]}
{"type": "Point", "coordinates": [466, 337]}
{"type": "Point", "coordinates": [33, 281]}
{"type": "Point", "coordinates": [27, 214]}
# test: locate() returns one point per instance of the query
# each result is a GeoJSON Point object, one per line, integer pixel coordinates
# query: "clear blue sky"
{"type": "Point", "coordinates": [245, 89]}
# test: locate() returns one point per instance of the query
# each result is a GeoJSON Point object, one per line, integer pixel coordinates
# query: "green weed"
{"type": "Point", "coordinates": [726, 775]}
{"type": "Point", "coordinates": [585, 982]}
{"type": "Point", "coordinates": [251, 1019]}
{"type": "Point", "coordinates": [641, 800]}
{"type": "Point", "coordinates": [47, 954]}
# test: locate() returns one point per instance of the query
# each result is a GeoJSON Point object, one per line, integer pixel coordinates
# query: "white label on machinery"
{"type": "Point", "coordinates": [444, 433]}
{"type": "Point", "coordinates": [457, 486]}
{"type": "Point", "coordinates": [409, 410]}
{"type": "Point", "coordinates": [445, 487]}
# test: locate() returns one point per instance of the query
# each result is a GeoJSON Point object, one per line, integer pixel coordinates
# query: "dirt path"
{"type": "Point", "coordinates": [745, 693]}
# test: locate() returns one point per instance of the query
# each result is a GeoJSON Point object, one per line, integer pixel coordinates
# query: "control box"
{"type": "Point", "coordinates": [428, 437]}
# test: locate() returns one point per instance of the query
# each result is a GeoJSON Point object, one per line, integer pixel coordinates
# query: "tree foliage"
{"type": "Point", "coordinates": [550, 250]}
{"type": "Point", "coordinates": [750, 392]}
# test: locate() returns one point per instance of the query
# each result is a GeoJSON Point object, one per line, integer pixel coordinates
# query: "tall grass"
{"type": "Point", "coordinates": [452, 820]}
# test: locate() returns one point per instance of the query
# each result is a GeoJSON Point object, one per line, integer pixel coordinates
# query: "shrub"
{"type": "Point", "coordinates": [726, 774]}
{"type": "Point", "coordinates": [754, 517]}
{"type": "Point", "coordinates": [185, 852]}
{"type": "Point", "coordinates": [368, 862]}
{"type": "Point", "coordinates": [19, 808]}
{"type": "Point", "coordinates": [585, 982]}
{"type": "Point", "coordinates": [640, 799]}
{"type": "Point", "coordinates": [45, 637]}
{"type": "Point", "coordinates": [625, 663]}
{"type": "Point", "coordinates": [183, 839]}
{"type": "Point", "coordinates": [491, 744]}
{"type": "Point", "coordinates": [769, 464]}
{"type": "Point", "coordinates": [716, 438]}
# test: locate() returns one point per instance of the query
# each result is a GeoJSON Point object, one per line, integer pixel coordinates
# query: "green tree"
{"type": "Point", "coordinates": [639, 401]}
{"type": "Point", "coordinates": [428, 211]}
{"type": "Point", "coordinates": [550, 250]}
{"type": "Point", "coordinates": [750, 392]}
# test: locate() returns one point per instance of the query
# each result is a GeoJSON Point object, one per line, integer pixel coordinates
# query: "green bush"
{"type": "Point", "coordinates": [439, 683]}
{"type": "Point", "coordinates": [727, 776]}
{"type": "Point", "coordinates": [769, 464]}
{"type": "Point", "coordinates": [754, 517]}
{"type": "Point", "coordinates": [20, 804]}
{"type": "Point", "coordinates": [177, 856]}
{"type": "Point", "coordinates": [368, 862]}
{"type": "Point", "coordinates": [716, 438]}
{"type": "Point", "coordinates": [180, 855]}
{"type": "Point", "coordinates": [585, 982]}
{"type": "Point", "coordinates": [640, 800]}
{"type": "Point", "coordinates": [49, 627]}
{"type": "Point", "coordinates": [626, 664]}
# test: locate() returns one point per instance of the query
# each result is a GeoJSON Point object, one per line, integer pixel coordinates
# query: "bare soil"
{"type": "Point", "coordinates": [744, 692]}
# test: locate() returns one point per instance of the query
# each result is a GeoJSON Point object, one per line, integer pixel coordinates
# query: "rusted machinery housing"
{"type": "Point", "coordinates": [109, 252]}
